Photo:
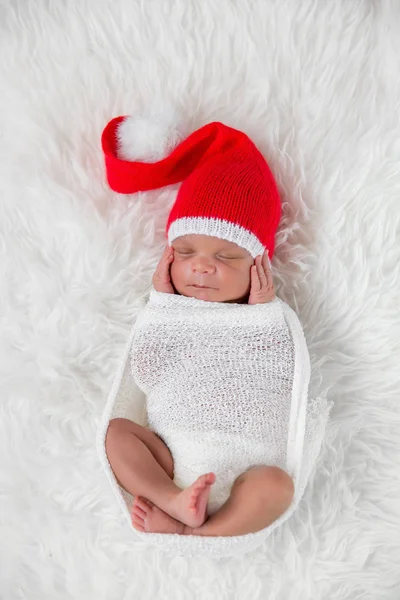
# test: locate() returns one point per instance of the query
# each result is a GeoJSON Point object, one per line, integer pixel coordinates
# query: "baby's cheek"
{"type": "Point", "coordinates": [243, 279]}
{"type": "Point", "coordinates": [231, 277]}
{"type": "Point", "coordinates": [177, 275]}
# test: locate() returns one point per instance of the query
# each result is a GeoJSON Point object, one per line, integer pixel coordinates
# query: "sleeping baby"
{"type": "Point", "coordinates": [221, 360]}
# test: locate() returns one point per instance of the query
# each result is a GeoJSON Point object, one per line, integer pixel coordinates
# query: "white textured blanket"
{"type": "Point", "coordinates": [227, 389]}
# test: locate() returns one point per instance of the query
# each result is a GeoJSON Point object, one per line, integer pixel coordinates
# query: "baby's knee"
{"type": "Point", "coordinates": [115, 428]}
{"type": "Point", "coordinates": [116, 425]}
{"type": "Point", "coordinates": [272, 484]}
{"type": "Point", "coordinates": [281, 483]}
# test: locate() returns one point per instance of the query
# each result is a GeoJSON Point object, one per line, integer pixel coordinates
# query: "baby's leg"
{"type": "Point", "coordinates": [118, 435]}
{"type": "Point", "coordinates": [143, 466]}
{"type": "Point", "coordinates": [258, 497]}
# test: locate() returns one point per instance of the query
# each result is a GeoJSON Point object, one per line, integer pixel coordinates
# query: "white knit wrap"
{"type": "Point", "coordinates": [225, 386]}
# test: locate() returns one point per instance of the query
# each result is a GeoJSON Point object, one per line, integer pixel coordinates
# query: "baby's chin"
{"type": "Point", "coordinates": [209, 295]}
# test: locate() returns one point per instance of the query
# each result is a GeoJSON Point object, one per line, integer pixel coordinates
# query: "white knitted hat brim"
{"type": "Point", "coordinates": [219, 228]}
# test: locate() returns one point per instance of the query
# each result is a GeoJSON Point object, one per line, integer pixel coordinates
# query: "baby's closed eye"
{"type": "Point", "coordinates": [183, 252]}
{"type": "Point", "coordinates": [228, 257]}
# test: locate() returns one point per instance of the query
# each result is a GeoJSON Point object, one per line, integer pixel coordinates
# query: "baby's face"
{"type": "Point", "coordinates": [208, 268]}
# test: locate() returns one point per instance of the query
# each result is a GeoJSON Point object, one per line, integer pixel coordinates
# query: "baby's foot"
{"type": "Point", "coordinates": [149, 518]}
{"type": "Point", "coordinates": [190, 506]}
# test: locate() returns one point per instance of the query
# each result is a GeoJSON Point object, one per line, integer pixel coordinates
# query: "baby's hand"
{"type": "Point", "coordinates": [162, 276]}
{"type": "Point", "coordinates": [262, 285]}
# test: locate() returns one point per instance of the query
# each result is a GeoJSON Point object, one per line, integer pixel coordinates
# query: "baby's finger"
{"type": "Point", "coordinates": [168, 252]}
{"type": "Point", "coordinates": [166, 258]}
{"type": "Point", "coordinates": [254, 279]}
{"type": "Point", "coordinates": [267, 270]}
{"type": "Point", "coordinates": [162, 271]}
{"type": "Point", "coordinates": [266, 262]}
{"type": "Point", "coordinates": [261, 272]}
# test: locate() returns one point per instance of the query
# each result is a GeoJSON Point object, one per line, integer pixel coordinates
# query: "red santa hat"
{"type": "Point", "coordinates": [227, 189]}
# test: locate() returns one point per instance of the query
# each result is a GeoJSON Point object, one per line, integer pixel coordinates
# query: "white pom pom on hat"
{"type": "Point", "coordinates": [150, 136]}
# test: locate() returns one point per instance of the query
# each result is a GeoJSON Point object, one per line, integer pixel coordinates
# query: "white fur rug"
{"type": "Point", "coordinates": [317, 86]}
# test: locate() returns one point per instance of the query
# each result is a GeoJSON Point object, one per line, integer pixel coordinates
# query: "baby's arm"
{"type": "Point", "coordinates": [162, 276]}
{"type": "Point", "coordinates": [262, 284]}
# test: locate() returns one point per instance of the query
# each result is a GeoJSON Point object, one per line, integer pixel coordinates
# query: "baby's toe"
{"type": "Point", "coordinates": [200, 483]}
{"type": "Point", "coordinates": [138, 523]}
{"type": "Point", "coordinates": [204, 480]}
{"type": "Point", "coordinates": [142, 504]}
{"type": "Point", "coordinates": [137, 510]}
{"type": "Point", "coordinates": [138, 517]}
{"type": "Point", "coordinates": [210, 478]}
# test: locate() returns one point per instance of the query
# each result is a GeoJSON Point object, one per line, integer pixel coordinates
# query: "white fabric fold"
{"type": "Point", "coordinates": [226, 387]}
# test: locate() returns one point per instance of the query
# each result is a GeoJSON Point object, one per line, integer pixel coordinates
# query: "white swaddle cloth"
{"type": "Point", "coordinates": [226, 389]}
{"type": "Point", "coordinates": [217, 378]}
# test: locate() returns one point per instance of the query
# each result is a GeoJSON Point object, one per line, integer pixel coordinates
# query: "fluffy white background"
{"type": "Point", "coordinates": [317, 86]}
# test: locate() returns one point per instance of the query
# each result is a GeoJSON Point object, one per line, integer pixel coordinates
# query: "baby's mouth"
{"type": "Point", "coordinates": [202, 287]}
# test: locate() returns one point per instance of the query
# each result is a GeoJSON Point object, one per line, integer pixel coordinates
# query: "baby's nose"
{"type": "Point", "coordinates": [201, 265]}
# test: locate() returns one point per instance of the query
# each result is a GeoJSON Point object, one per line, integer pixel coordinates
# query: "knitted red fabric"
{"type": "Point", "coordinates": [228, 189]}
